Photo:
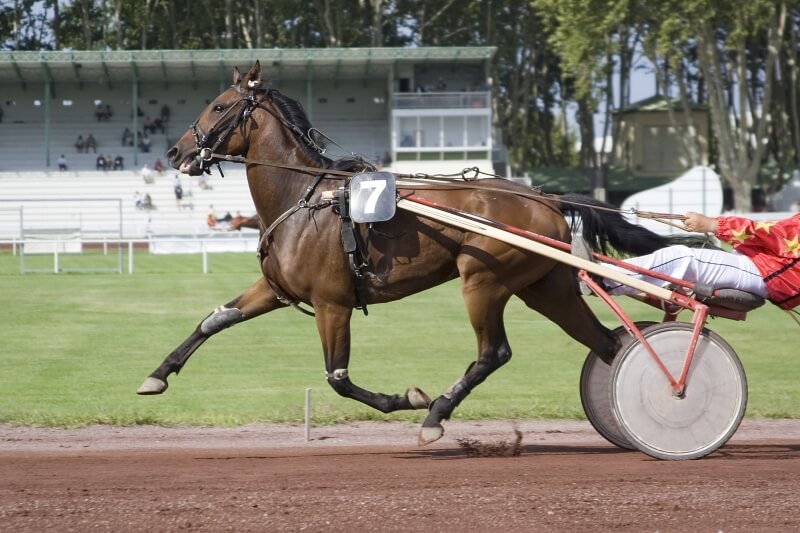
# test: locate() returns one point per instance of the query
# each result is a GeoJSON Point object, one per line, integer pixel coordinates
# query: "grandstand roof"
{"type": "Point", "coordinates": [30, 67]}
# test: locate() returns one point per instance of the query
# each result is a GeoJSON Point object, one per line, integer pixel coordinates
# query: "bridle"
{"type": "Point", "coordinates": [221, 130]}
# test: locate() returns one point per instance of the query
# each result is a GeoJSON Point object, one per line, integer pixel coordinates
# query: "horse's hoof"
{"type": "Point", "coordinates": [152, 386]}
{"type": "Point", "coordinates": [417, 398]}
{"type": "Point", "coordinates": [429, 435]}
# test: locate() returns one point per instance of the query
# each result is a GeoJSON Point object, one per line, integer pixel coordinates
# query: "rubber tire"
{"type": "Point", "coordinates": [595, 391]}
{"type": "Point", "coordinates": [667, 427]}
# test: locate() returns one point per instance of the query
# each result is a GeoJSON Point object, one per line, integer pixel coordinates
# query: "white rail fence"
{"type": "Point", "coordinates": [125, 250]}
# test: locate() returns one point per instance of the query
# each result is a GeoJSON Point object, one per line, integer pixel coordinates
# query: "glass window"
{"type": "Point", "coordinates": [406, 131]}
{"type": "Point", "coordinates": [430, 129]}
{"type": "Point", "coordinates": [454, 131]}
{"type": "Point", "coordinates": [477, 131]}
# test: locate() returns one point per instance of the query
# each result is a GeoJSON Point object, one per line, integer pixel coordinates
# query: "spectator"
{"type": "Point", "coordinates": [62, 163]}
{"type": "Point", "coordinates": [102, 112]}
{"type": "Point", "coordinates": [109, 162]}
{"type": "Point", "coordinates": [178, 191]}
{"type": "Point", "coordinates": [165, 112]}
{"type": "Point", "coordinates": [148, 125]}
{"type": "Point", "coordinates": [101, 163]}
{"type": "Point", "coordinates": [119, 163]}
{"type": "Point", "coordinates": [147, 174]}
{"type": "Point", "coordinates": [158, 166]}
{"type": "Point", "coordinates": [148, 202]}
{"type": "Point", "coordinates": [80, 144]}
{"type": "Point", "coordinates": [127, 138]}
{"type": "Point", "coordinates": [91, 143]}
{"type": "Point", "coordinates": [211, 218]}
{"type": "Point", "coordinates": [144, 144]}
{"type": "Point", "coordinates": [137, 200]}
{"type": "Point", "coordinates": [157, 125]}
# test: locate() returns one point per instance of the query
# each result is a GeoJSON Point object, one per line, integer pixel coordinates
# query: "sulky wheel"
{"type": "Point", "coordinates": [687, 426]}
{"type": "Point", "coordinates": [596, 396]}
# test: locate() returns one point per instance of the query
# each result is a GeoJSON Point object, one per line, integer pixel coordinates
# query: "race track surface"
{"type": "Point", "coordinates": [373, 477]}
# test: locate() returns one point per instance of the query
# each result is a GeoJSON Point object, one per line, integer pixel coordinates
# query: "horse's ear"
{"type": "Point", "coordinates": [237, 76]}
{"type": "Point", "coordinates": [254, 76]}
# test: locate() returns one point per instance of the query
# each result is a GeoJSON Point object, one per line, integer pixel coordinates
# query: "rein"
{"type": "Point", "coordinates": [207, 156]}
{"type": "Point", "coordinates": [447, 182]}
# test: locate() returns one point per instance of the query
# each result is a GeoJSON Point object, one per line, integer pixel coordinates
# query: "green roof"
{"type": "Point", "coordinates": [560, 180]}
{"type": "Point", "coordinates": [658, 103]}
{"type": "Point", "coordinates": [293, 63]}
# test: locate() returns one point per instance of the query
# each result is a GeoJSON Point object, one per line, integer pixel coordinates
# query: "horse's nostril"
{"type": "Point", "coordinates": [172, 152]}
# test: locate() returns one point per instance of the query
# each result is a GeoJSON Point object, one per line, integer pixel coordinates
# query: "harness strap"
{"type": "Point", "coordinates": [285, 299]}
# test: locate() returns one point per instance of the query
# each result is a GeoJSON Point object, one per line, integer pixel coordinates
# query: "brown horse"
{"type": "Point", "coordinates": [240, 222]}
{"type": "Point", "coordinates": [304, 262]}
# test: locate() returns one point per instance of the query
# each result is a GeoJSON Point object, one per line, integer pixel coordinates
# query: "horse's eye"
{"type": "Point", "coordinates": [218, 108]}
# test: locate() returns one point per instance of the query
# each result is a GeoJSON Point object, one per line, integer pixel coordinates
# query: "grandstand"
{"type": "Point", "coordinates": [91, 203]}
{"type": "Point", "coordinates": [369, 101]}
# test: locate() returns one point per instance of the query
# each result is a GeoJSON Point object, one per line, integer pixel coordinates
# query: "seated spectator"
{"type": "Point", "coordinates": [62, 163]}
{"type": "Point", "coordinates": [102, 112]}
{"type": "Point", "coordinates": [109, 162]}
{"type": "Point", "coordinates": [157, 125]}
{"type": "Point", "coordinates": [211, 218]}
{"type": "Point", "coordinates": [178, 191]}
{"type": "Point", "coordinates": [148, 125]}
{"type": "Point", "coordinates": [147, 203]}
{"type": "Point", "coordinates": [91, 143]}
{"type": "Point", "coordinates": [147, 174]}
{"type": "Point", "coordinates": [144, 144]}
{"type": "Point", "coordinates": [119, 163]}
{"type": "Point", "coordinates": [101, 163]}
{"type": "Point", "coordinates": [127, 138]}
{"type": "Point", "coordinates": [158, 166]}
{"type": "Point", "coordinates": [137, 200]}
{"type": "Point", "coordinates": [80, 144]}
{"type": "Point", "coordinates": [165, 112]}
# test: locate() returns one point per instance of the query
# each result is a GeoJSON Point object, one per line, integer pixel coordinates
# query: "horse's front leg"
{"type": "Point", "coordinates": [485, 304]}
{"type": "Point", "coordinates": [255, 301]}
{"type": "Point", "coordinates": [333, 323]}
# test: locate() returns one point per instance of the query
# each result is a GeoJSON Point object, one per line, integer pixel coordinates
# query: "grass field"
{"type": "Point", "coordinates": [75, 347]}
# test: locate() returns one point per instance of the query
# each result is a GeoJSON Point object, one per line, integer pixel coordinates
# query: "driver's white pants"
{"type": "Point", "coordinates": [715, 268]}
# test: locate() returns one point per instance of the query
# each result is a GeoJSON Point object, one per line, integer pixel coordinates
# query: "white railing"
{"type": "Point", "coordinates": [441, 100]}
{"type": "Point", "coordinates": [156, 245]}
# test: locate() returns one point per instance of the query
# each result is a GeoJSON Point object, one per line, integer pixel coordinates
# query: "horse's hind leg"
{"type": "Point", "coordinates": [555, 297]}
{"type": "Point", "coordinates": [255, 301]}
{"type": "Point", "coordinates": [333, 323]}
{"type": "Point", "coordinates": [485, 301]}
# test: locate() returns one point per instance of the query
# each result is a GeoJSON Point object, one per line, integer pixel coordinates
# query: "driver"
{"type": "Point", "coordinates": [765, 260]}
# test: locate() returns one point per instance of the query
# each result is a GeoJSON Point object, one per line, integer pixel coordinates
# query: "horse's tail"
{"type": "Point", "coordinates": [603, 226]}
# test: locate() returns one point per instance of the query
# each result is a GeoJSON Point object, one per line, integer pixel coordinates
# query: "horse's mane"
{"type": "Point", "coordinates": [294, 113]}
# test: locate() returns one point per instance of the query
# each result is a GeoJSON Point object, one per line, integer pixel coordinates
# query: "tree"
{"type": "Point", "coordinates": [738, 46]}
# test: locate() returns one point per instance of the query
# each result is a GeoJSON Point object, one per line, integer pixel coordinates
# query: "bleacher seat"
{"type": "Point", "coordinates": [90, 201]}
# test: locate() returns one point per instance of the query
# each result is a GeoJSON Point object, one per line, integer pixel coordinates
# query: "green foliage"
{"type": "Point", "coordinates": [76, 347]}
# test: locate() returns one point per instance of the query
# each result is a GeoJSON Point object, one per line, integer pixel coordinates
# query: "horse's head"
{"type": "Point", "coordinates": [221, 127]}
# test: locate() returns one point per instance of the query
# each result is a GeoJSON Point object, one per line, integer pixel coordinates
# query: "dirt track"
{"type": "Point", "coordinates": [372, 477]}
